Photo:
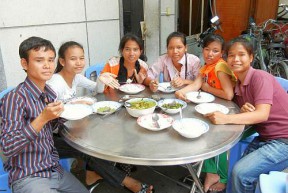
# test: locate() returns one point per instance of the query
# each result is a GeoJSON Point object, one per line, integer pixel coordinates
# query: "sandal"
{"type": "Point", "coordinates": [144, 188]}
{"type": "Point", "coordinates": [92, 186]}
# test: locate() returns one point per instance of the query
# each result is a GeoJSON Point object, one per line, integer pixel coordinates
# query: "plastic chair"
{"type": "Point", "coordinates": [275, 182]}
{"type": "Point", "coordinates": [97, 68]}
{"type": "Point", "coordinates": [66, 163]}
{"type": "Point", "coordinates": [283, 82]}
{"type": "Point", "coordinates": [4, 92]}
{"type": "Point", "coordinates": [1, 168]}
{"type": "Point", "coordinates": [237, 151]}
{"type": "Point", "coordinates": [4, 184]}
{"type": "Point", "coordinates": [161, 77]}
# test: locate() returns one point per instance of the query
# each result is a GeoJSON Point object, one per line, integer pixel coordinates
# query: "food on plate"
{"type": "Point", "coordinates": [142, 104]}
{"type": "Point", "coordinates": [105, 109]}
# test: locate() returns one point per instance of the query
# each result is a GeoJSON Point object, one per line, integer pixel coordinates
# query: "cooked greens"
{"type": "Point", "coordinates": [142, 104]}
{"type": "Point", "coordinates": [105, 109]}
{"type": "Point", "coordinates": [173, 105]}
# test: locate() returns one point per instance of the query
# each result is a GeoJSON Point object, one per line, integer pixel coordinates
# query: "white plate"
{"type": "Point", "coordinates": [169, 101]}
{"type": "Point", "coordinates": [80, 100]}
{"type": "Point", "coordinates": [76, 111]}
{"type": "Point", "coordinates": [146, 121]}
{"type": "Point", "coordinates": [132, 88]}
{"type": "Point", "coordinates": [205, 97]}
{"type": "Point", "coordinates": [190, 127]}
{"type": "Point", "coordinates": [163, 87]}
{"type": "Point", "coordinates": [111, 104]}
{"type": "Point", "coordinates": [205, 108]}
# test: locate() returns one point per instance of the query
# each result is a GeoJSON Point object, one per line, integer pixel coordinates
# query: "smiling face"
{"type": "Point", "coordinates": [40, 65]}
{"type": "Point", "coordinates": [73, 61]}
{"type": "Point", "coordinates": [131, 52]}
{"type": "Point", "coordinates": [176, 49]}
{"type": "Point", "coordinates": [212, 52]}
{"type": "Point", "coordinates": [238, 59]}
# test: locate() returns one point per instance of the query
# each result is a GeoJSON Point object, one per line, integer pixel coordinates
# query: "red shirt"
{"type": "Point", "coordinates": [261, 87]}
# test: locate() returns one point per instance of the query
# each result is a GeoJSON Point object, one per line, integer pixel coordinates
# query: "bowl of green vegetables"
{"type": "Point", "coordinates": [172, 106]}
{"type": "Point", "coordinates": [137, 107]}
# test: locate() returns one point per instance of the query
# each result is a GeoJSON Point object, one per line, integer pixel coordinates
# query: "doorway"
{"type": "Point", "coordinates": [133, 14]}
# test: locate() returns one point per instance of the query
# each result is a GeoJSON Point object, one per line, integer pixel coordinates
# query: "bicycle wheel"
{"type": "Point", "coordinates": [280, 69]}
{"type": "Point", "coordinates": [256, 64]}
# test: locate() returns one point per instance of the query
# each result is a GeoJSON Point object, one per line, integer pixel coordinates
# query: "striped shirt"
{"type": "Point", "coordinates": [28, 152]}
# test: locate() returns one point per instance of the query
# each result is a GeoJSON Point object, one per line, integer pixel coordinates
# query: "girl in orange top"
{"type": "Point", "coordinates": [216, 78]}
{"type": "Point", "coordinates": [129, 67]}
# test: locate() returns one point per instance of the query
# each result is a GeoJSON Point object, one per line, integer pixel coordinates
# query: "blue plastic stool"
{"type": "Point", "coordinates": [275, 182]}
{"type": "Point", "coordinates": [6, 91]}
{"type": "Point", "coordinates": [66, 163]}
{"type": "Point", "coordinates": [283, 82]}
{"type": "Point", "coordinates": [161, 77]}
{"type": "Point", "coordinates": [4, 183]}
{"type": "Point", "coordinates": [94, 68]}
{"type": "Point", "coordinates": [1, 168]}
{"type": "Point", "coordinates": [236, 153]}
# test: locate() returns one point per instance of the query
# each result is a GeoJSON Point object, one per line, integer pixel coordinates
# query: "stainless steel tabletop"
{"type": "Point", "coordinates": [119, 138]}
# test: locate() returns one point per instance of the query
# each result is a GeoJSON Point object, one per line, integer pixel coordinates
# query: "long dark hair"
{"type": "Point", "coordinates": [122, 74]}
{"type": "Point", "coordinates": [61, 53]}
{"type": "Point", "coordinates": [126, 38]}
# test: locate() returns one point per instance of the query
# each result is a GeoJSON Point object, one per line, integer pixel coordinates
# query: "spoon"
{"type": "Point", "coordinates": [155, 118]}
{"type": "Point", "coordinates": [180, 114]}
{"type": "Point", "coordinates": [181, 117]}
{"type": "Point", "coordinates": [128, 81]}
{"type": "Point", "coordinates": [199, 96]}
{"type": "Point", "coordinates": [127, 104]}
{"type": "Point", "coordinates": [166, 88]}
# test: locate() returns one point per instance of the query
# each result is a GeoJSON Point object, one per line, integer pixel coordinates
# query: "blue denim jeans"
{"type": "Point", "coordinates": [259, 157]}
{"type": "Point", "coordinates": [67, 184]}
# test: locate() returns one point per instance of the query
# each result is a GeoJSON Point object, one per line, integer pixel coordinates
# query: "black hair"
{"type": "Point", "coordinates": [61, 52]}
{"type": "Point", "coordinates": [244, 42]}
{"type": "Point", "coordinates": [176, 35]}
{"type": "Point", "coordinates": [122, 74]}
{"type": "Point", "coordinates": [34, 43]}
{"type": "Point", "coordinates": [126, 38]}
{"type": "Point", "coordinates": [212, 38]}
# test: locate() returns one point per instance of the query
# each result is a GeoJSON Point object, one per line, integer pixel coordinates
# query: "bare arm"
{"type": "Point", "coordinates": [196, 85]}
{"type": "Point", "coordinates": [260, 114]}
{"type": "Point", "coordinates": [227, 87]}
{"type": "Point", "coordinates": [51, 111]}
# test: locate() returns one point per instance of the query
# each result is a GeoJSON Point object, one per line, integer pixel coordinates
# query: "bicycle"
{"type": "Point", "coordinates": [269, 51]}
{"type": "Point", "coordinates": [282, 12]}
{"type": "Point", "coordinates": [215, 25]}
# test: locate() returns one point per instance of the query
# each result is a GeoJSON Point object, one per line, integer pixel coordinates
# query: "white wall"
{"type": "Point", "coordinates": [168, 22]}
{"type": "Point", "coordinates": [160, 18]}
{"type": "Point", "coordinates": [93, 23]}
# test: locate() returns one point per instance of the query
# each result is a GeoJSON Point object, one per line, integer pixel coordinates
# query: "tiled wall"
{"type": "Point", "coordinates": [93, 23]}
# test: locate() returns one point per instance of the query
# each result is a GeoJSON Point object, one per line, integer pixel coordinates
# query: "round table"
{"type": "Point", "coordinates": [119, 138]}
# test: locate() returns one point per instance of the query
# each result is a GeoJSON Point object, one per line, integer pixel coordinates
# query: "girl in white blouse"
{"type": "Point", "coordinates": [67, 75]}
{"type": "Point", "coordinates": [64, 82]}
